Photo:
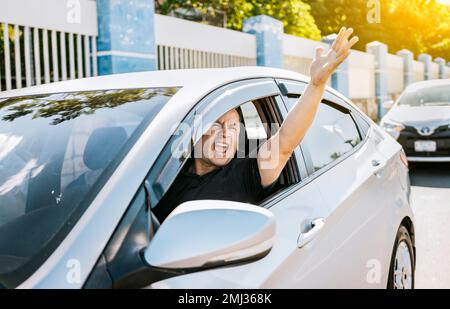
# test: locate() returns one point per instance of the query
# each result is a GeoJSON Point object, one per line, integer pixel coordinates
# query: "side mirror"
{"type": "Point", "coordinates": [209, 233]}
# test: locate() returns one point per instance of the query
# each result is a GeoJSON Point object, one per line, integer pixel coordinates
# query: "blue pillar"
{"type": "Point", "coordinates": [408, 58]}
{"type": "Point", "coordinates": [126, 36]}
{"type": "Point", "coordinates": [339, 79]}
{"type": "Point", "coordinates": [380, 52]}
{"type": "Point", "coordinates": [442, 64]}
{"type": "Point", "coordinates": [426, 59]}
{"type": "Point", "coordinates": [269, 39]}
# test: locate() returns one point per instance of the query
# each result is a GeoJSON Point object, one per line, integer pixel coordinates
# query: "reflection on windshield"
{"type": "Point", "coordinates": [431, 96]}
{"type": "Point", "coordinates": [56, 152]}
{"type": "Point", "coordinates": [62, 107]}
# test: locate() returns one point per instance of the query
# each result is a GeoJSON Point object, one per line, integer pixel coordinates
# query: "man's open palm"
{"type": "Point", "coordinates": [324, 65]}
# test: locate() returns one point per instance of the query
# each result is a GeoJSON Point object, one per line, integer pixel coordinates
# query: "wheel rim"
{"type": "Point", "coordinates": [403, 267]}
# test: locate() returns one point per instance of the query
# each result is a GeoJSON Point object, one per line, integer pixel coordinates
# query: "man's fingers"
{"type": "Point", "coordinates": [344, 39]}
{"type": "Point", "coordinates": [342, 57]}
{"type": "Point", "coordinates": [319, 51]}
{"type": "Point", "coordinates": [347, 33]}
{"type": "Point", "coordinates": [336, 42]}
{"type": "Point", "coordinates": [348, 46]}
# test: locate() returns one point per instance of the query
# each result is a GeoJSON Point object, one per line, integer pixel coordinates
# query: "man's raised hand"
{"type": "Point", "coordinates": [324, 65]}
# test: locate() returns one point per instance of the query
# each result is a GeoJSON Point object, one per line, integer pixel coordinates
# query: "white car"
{"type": "Point", "coordinates": [84, 162]}
{"type": "Point", "coordinates": [420, 121]}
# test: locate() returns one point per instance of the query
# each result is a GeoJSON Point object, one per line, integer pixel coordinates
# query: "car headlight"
{"type": "Point", "coordinates": [392, 127]}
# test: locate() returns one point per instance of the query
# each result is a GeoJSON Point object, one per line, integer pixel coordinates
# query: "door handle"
{"type": "Point", "coordinates": [378, 165]}
{"type": "Point", "coordinates": [305, 238]}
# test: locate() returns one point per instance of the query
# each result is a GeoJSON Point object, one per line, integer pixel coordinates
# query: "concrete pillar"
{"type": "Point", "coordinates": [408, 58]}
{"type": "Point", "coordinates": [380, 52]}
{"type": "Point", "coordinates": [126, 36]}
{"type": "Point", "coordinates": [442, 65]}
{"type": "Point", "coordinates": [269, 39]}
{"type": "Point", "coordinates": [426, 59]}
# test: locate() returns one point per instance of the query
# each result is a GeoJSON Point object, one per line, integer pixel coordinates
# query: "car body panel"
{"type": "Point", "coordinates": [320, 263]}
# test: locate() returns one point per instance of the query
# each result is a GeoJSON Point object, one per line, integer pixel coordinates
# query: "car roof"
{"type": "Point", "coordinates": [151, 79]}
{"type": "Point", "coordinates": [194, 85]}
{"type": "Point", "coordinates": [428, 83]}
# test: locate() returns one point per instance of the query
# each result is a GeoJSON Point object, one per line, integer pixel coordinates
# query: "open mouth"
{"type": "Point", "coordinates": [221, 147]}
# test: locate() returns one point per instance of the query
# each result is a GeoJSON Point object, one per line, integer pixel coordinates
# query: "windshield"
{"type": "Point", "coordinates": [56, 152]}
{"type": "Point", "coordinates": [431, 96]}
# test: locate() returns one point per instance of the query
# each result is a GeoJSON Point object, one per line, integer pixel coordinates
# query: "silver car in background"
{"type": "Point", "coordinates": [420, 121]}
{"type": "Point", "coordinates": [83, 163]}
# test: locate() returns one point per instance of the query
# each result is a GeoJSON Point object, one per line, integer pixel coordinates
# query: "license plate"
{"type": "Point", "coordinates": [425, 146]}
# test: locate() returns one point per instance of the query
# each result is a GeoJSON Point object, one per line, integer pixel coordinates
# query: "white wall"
{"type": "Point", "coordinates": [361, 75]}
{"type": "Point", "coordinates": [418, 71]}
{"type": "Point", "coordinates": [447, 72]}
{"type": "Point", "coordinates": [299, 52]}
{"type": "Point", "coordinates": [395, 74]}
{"type": "Point", "coordinates": [434, 70]}
{"type": "Point", "coordinates": [171, 31]}
{"type": "Point", "coordinates": [183, 44]}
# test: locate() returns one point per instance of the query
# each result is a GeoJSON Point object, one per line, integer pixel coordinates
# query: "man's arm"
{"type": "Point", "coordinates": [273, 154]}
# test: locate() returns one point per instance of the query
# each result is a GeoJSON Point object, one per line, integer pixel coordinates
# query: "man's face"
{"type": "Point", "coordinates": [219, 143]}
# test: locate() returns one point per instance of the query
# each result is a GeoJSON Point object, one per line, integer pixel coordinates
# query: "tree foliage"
{"type": "Point", "coordinates": [295, 14]}
{"type": "Point", "coordinates": [422, 26]}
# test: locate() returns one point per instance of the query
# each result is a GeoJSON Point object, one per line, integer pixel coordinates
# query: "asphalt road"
{"type": "Point", "coordinates": [430, 198]}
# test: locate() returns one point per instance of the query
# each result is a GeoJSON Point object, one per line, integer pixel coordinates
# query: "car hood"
{"type": "Point", "coordinates": [420, 115]}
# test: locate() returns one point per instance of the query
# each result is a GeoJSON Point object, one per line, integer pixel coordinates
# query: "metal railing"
{"type": "Point", "coordinates": [32, 56]}
{"type": "Point", "coordinates": [170, 58]}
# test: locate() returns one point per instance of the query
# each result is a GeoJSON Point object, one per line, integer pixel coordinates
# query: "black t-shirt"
{"type": "Point", "coordinates": [238, 181]}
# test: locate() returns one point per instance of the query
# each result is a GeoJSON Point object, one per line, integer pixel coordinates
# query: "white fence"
{"type": "Point", "coordinates": [36, 50]}
{"type": "Point", "coordinates": [183, 44]}
{"type": "Point", "coordinates": [39, 46]}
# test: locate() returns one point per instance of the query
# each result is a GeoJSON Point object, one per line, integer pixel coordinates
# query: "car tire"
{"type": "Point", "coordinates": [401, 271]}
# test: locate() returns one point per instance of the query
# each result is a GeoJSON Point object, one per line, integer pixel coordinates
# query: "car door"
{"type": "Point", "coordinates": [294, 208]}
{"type": "Point", "coordinates": [342, 152]}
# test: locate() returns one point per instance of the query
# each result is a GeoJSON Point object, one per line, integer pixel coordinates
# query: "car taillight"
{"type": "Point", "coordinates": [403, 158]}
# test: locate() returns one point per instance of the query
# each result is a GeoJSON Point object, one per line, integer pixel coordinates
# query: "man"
{"type": "Point", "coordinates": [217, 174]}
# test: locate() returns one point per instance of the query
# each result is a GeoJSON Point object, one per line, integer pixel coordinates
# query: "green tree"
{"type": "Point", "coordinates": [295, 14]}
{"type": "Point", "coordinates": [418, 25]}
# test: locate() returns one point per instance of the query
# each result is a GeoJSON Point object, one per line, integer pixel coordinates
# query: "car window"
{"type": "Point", "coordinates": [56, 152]}
{"type": "Point", "coordinates": [332, 135]}
{"type": "Point", "coordinates": [362, 123]}
{"type": "Point", "coordinates": [430, 96]}
{"type": "Point", "coordinates": [253, 123]}
{"type": "Point", "coordinates": [170, 163]}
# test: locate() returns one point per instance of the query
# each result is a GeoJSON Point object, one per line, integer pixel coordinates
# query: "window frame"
{"type": "Point", "coordinates": [166, 168]}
